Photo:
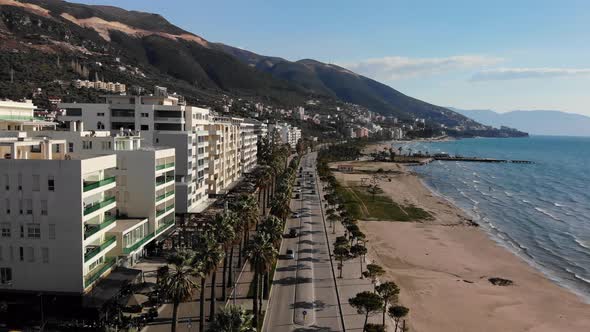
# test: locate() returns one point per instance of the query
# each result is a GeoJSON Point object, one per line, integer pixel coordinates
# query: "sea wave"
{"type": "Point", "coordinates": [548, 214]}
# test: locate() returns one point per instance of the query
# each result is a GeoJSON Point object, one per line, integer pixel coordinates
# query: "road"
{"type": "Point", "coordinates": [303, 297]}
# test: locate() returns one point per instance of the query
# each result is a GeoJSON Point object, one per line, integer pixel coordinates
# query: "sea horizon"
{"type": "Point", "coordinates": [522, 207]}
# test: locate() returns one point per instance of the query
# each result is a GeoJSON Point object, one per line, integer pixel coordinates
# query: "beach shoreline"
{"type": "Point", "coordinates": [443, 266]}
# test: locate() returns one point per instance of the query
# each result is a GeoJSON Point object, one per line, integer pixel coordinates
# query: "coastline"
{"type": "Point", "coordinates": [443, 266]}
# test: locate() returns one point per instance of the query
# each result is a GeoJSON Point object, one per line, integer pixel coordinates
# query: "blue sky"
{"type": "Point", "coordinates": [501, 55]}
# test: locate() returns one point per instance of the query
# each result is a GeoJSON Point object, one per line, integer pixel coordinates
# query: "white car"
{"type": "Point", "coordinates": [290, 254]}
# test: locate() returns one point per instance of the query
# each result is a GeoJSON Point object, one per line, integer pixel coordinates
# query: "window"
{"type": "Point", "coordinates": [20, 182]}
{"type": "Point", "coordinates": [99, 125]}
{"type": "Point", "coordinates": [21, 254]}
{"type": "Point", "coordinates": [43, 207]}
{"type": "Point", "coordinates": [106, 145]}
{"type": "Point", "coordinates": [7, 202]}
{"type": "Point", "coordinates": [145, 115]}
{"type": "Point", "coordinates": [1, 254]}
{"type": "Point", "coordinates": [5, 229]}
{"type": "Point", "coordinates": [45, 255]}
{"type": "Point", "coordinates": [51, 232]}
{"type": "Point", "coordinates": [5, 275]}
{"type": "Point", "coordinates": [70, 147]}
{"type": "Point", "coordinates": [29, 205]}
{"type": "Point", "coordinates": [145, 127]}
{"type": "Point", "coordinates": [30, 254]}
{"type": "Point", "coordinates": [36, 183]}
{"type": "Point", "coordinates": [157, 140]}
{"type": "Point", "coordinates": [34, 231]}
{"type": "Point", "coordinates": [6, 182]}
{"type": "Point", "coordinates": [86, 145]}
{"type": "Point", "coordinates": [100, 114]}
{"type": "Point", "coordinates": [57, 148]}
{"type": "Point", "coordinates": [22, 231]}
{"type": "Point", "coordinates": [20, 206]}
{"type": "Point", "coordinates": [50, 183]}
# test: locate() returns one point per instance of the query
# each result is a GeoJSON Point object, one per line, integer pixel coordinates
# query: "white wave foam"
{"type": "Point", "coordinates": [583, 244]}
{"type": "Point", "coordinates": [508, 194]}
{"type": "Point", "coordinates": [547, 214]}
{"type": "Point", "coordinates": [559, 205]}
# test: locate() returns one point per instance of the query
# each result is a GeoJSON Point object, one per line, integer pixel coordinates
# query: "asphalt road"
{"type": "Point", "coordinates": [303, 297]}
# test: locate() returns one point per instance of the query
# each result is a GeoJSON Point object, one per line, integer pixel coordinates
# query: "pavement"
{"type": "Point", "coordinates": [303, 297]}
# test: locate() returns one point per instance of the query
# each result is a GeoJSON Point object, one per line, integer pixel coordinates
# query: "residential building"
{"type": "Point", "coordinates": [67, 219]}
{"type": "Point", "coordinates": [15, 115]}
{"type": "Point", "coordinates": [162, 120]}
{"type": "Point", "coordinates": [249, 146]}
{"type": "Point", "coordinates": [224, 151]}
{"type": "Point", "coordinates": [362, 132]}
{"type": "Point", "coordinates": [288, 134]}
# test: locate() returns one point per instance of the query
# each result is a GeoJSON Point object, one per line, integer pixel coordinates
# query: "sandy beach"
{"type": "Point", "coordinates": [442, 267]}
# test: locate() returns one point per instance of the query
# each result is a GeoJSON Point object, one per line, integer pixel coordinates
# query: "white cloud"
{"type": "Point", "coordinates": [396, 67]}
{"type": "Point", "coordinates": [521, 73]}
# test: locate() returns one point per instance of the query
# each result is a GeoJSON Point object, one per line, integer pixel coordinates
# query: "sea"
{"type": "Point", "coordinates": [540, 211]}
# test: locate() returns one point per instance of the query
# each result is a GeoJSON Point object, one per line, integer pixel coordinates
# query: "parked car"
{"type": "Point", "coordinates": [292, 232]}
{"type": "Point", "coordinates": [290, 254]}
{"type": "Point", "coordinates": [296, 215]}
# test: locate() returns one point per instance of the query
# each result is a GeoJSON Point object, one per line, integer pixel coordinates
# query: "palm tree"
{"type": "Point", "coordinates": [247, 208]}
{"type": "Point", "coordinates": [208, 253]}
{"type": "Point", "coordinates": [232, 319]}
{"type": "Point", "coordinates": [223, 231]}
{"type": "Point", "coordinates": [261, 254]}
{"type": "Point", "coordinates": [263, 185]}
{"type": "Point", "coordinates": [178, 287]}
{"type": "Point", "coordinates": [389, 294]}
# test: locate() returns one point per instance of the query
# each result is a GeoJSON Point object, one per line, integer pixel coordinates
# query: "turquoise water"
{"type": "Point", "coordinates": [540, 211]}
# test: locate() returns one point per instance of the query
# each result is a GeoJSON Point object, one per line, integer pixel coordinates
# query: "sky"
{"type": "Point", "coordinates": [500, 55]}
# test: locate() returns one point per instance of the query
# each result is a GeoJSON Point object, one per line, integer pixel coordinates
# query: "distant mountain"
{"type": "Point", "coordinates": [534, 122]}
{"type": "Point", "coordinates": [47, 43]}
{"type": "Point", "coordinates": [346, 85]}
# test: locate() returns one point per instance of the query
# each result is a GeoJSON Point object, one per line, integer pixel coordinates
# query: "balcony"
{"type": "Point", "coordinates": [93, 229]}
{"type": "Point", "coordinates": [164, 181]}
{"type": "Point", "coordinates": [99, 271]}
{"type": "Point", "coordinates": [164, 166]}
{"type": "Point", "coordinates": [165, 225]}
{"type": "Point", "coordinates": [90, 185]}
{"type": "Point", "coordinates": [95, 251]}
{"type": "Point", "coordinates": [99, 205]}
{"type": "Point", "coordinates": [161, 212]}
{"type": "Point", "coordinates": [138, 244]}
{"type": "Point", "coordinates": [161, 197]}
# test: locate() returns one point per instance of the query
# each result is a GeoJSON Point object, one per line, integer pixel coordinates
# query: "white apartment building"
{"type": "Point", "coordinates": [249, 146]}
{"type": "Point", "coordinates": [289, 134]}
{"type": "Point", "coordinates": [162, 121]}
{"type": "Point", "coordinates": [67, 219]}
{"type": "Point", "coordinates": [15, 115]}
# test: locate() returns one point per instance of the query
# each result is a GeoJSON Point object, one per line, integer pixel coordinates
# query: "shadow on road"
{"type": "Point", "coordinates": [293, 281]}
{"type": "Point", "coordinates": [314, 329]}
{"type": "Point", "coordinates": [317, 304]}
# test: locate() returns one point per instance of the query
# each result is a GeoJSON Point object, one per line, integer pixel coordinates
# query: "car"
{"type": "Point", "coordinates": [290, 254]}
{"type": "Point", "coordinates": [296, 215]}
{"type": "Point", "coordinates": [292, 232]}
{"type": "Point", "coordinates": [297, 196]}
{"type": "Point", "coordinates": [298, 190]}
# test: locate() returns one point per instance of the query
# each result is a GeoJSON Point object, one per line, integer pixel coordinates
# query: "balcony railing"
{"type": "Point", "coordinates": [138, 244]}
{"type": "Point", "coordinates": [165, 225]}
{"type": "Point", "coordinates": [90, 185]}
{"type": "Point", "coordinates": [161, 197]}
{"type": "Point", "coordinates": [161, 182]}
{"type": "Point", "coordinates": [108, 263]}
{"type": "Point", "coordinates": [161, 212]}
{"type": "Point", "coordinates": [93, 229]}
{"type": "Point", "coordinates": [99, 205]}
{"type": "Point", "coordinates": [163, 166]}
{"type": "Point", "coordinates": [107, 242]}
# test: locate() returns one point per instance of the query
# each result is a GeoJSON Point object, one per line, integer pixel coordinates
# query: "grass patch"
{"type": "Point", "coordinates": [364, 205]}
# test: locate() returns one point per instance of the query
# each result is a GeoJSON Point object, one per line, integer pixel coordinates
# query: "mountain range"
{"type": "Point", "coordinates": [46, 42]}
{"type": "Point", "coordinates": [536, 122]}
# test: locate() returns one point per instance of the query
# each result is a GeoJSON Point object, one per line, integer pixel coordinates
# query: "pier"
{"type": "Point", "coordinates": [481, 160]}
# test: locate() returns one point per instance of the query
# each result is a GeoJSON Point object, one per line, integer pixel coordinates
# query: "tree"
{"type": "Point", "coordinates": [208, 254]}
{"type": "Point", "coordinates": [232, 319]}
{"type": "Point", "coordinates": [374, 328]}
{"type": "Point", "coordinates": [261, 254]}
{"type": "Point", "coordinates": [359, 251]}
{"type": "Point", "coordinates": [397, 312]}
{"type": "Point", "coordinates": [332, 219]}
{"type": "Point", "coordinates": [366, 303]}
{"type": "Point", "coordinates": [222, 227]}
{"type": "Point", "coordinates": [389, 294]}
{"type": "Point", "coordinates": [373, 272]}
{"type": "Point", "coordinates": [247, 209]}
{"type": "Point", "coordinates": [341, 253]}
{"type": "Point", "coordinates": [178, 287]}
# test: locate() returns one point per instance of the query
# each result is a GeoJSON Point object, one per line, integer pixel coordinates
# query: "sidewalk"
{"type": "Point", "coordinates": [351, 284]}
